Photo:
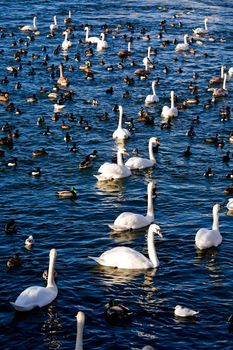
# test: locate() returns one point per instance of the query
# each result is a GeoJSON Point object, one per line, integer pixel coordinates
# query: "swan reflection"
{"type": "Point", "coordinates": [110, 186]}
{"type": "Point", "coordinates": [50, 328]}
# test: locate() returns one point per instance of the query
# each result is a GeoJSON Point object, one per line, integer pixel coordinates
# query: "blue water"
{"type": "Point", "coordinates": [78, 228]}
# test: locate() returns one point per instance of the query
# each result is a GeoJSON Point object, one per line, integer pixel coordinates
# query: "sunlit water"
{"type": "Point", "coordinates": [78, 228]}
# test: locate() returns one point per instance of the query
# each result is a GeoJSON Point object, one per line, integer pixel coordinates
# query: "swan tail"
{"type": "Point", "coordinates": [118, 228]}
{"type": "Point", "coordinates": [23, 308]}
{"type": "Point", "coordinates": [96, 259]}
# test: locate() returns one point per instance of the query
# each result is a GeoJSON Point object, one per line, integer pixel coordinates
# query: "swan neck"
{"type": "Point", "coordinates": [61, 71]}
{"type": "Point", "coordinates": [151, 153]}
{"type": "Point", "coordinates": [206, 28]}
{"type": "Point", "coordinates": [87, 32]}
{"type": "Point", "coordinates": [222, 72]}
{"type": "Point", "coordinates": [153, 88]}
{"type": "Point", "coordinates": [129, 46]}
{"type": "Point", "coordinates": [185, 39]}
{"type": "Point", "coordinates": [215, 225]}
{"type": "Point", "coordinates": [224, 82]}
{"type": "Point", "coordinates": [34, 22]}
{"type": "Point", "coordinates": [120, 117]}
{"type": "Point", "coordinates": [172, 99]}
{"type": "Point", "coordinates": [51, 282]}
{"type": "Point", "coordinates": [55, 20]}
{"type": "Point", "coordinates": [151, 249]}
{"type": "Point", "coordinates": [119, 158]}
{"type": "Point", "coordinates": [150, 208]}
{"type": "Point", "coordinates": [79, 337]}
{"type": "Point", "coordinates": [148, 52]}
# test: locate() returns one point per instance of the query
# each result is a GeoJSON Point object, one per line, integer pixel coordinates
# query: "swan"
{"type": "Point", "coordinates": [221, 92]}
{"type": "Point", "coordinates": [62, 81]}
{"type": "Point", "coordinates": [206, 238]}
{"type": "Point", "coordinates": [121, 133]}
{"type": "Point", "coordinates": [217, 80]}
{"type": "Point", "coordinates": [143, 163]}
{"type": "Point", "coordinates": [172, 111]}
{"type": "Point", "coordinates": [184, 46]}
{"type": "Point", "coordinates": [230, 204]}
{"type": "Point", "coordinates": [146, 60]}
{"type": "Point", "coordinates": [28, 28]}
{"type": "Point", "coordinates": [128, 258]}
{"type": "Point", "coordinates": [112, 171]}
{"type": "Point", "coordinates": [53, 26]}
{"type": "Point", "coordinates": [66, 44]}
{"type": "Point", "coordinates": [102, 44]}
{"type": "Point", "coordinates": [80, 325]}
{"type": "Point", "coordinates": [230, 72]}
{"type": "Point", "coordinates": [68, 19]}
{"type": "Point", "coordinates": [122, 54]}
{"type": "Point", "coordinates": [182, 311]}
{"type": "Point", "coordinates": [200, 31]}
{"type": "Point", "coordinates": [92, 39]}
{"type": "Point", "coordinates": [37, 296]}
{"type": "Point", "coordinates": [131, 221]}
{"type": "Point", "coordinates": [152, 98]}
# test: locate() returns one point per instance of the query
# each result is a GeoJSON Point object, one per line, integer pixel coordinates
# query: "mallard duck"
{"type": "Point", "coordinates": [14, 261]}
{"type": "Point", "coordinates": [228, 190]}
{"type": "Point", "coordinates": [86, 163]}
{"type": "Point", "coordinates": [72, 193]}
{"type": "Point", "coordinates": [117, 313]}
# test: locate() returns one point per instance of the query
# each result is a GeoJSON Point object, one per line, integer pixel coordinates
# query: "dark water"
{"type": "Point", "coordinates": [78, 228]}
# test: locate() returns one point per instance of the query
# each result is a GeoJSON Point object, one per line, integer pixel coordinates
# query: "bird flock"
{"type": "Point", "coordinates": [64, 89]}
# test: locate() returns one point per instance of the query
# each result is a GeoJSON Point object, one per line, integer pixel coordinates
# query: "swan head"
{"type": "Point", "coordinates": [154, 139]}
{"type": "Point", "coordinates": [123, 151]}
{"type": "Point", "coordinates": [155, 229]}
{"type": "Point", "coordinates": [216, 208]}
{"type": "Point", "coordinates": [80, 317]}
{"type": "Point", "coordinates": [53, 253]}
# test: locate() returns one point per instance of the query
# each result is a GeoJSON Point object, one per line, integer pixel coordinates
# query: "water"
{"type": "Point", "coordinates": [78, 228]}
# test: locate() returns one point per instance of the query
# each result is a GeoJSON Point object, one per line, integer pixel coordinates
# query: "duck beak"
{"type": "Point", "coordinates": [160, 234]}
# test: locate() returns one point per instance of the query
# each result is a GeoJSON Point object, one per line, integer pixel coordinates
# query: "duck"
{"type": "Point", "coordinates": [208, 172]}
{"type": "Point", "coordinates": [39, 152]}
{"type": "Point", "coordinates": [64, 126]}
{"type": "Point", "coordinates": [146, 60]}
{"type": "Point", "coordinates": [142, 73]}
{"type": "Point", "coordinates": [36, 296]}
{"type": "Point", "coordinates": [71, 193]}
{"type": "Point", "coordinates": [92, 39]}
{"type": "Point", "coordinates": [4, 97]}
{"type": "Point", "coordinates": [128, 258]}
{"type": "Point", "coordinates": [132, 221]}
{"type": "Point", "coordinates": [28, 28]}
{"type": "Point", "coordinates": [14, 261]}
{"type": "Point", "coordinates": [67, 137]}
{"type": "Point", "coordinates": [86, 163]}
{"type": "Point", "coordinates": [229, 175]}
{"type": "Point", "coordinates": [187, 153]}
{"type": "Point", "coordinates": [202, 31]}
{"type": "Point", "coordinates": [110, 171]}
{"type": "Point", "coordinates": [80, 325]}
{"type": "Point", "coordinates": [123, 54]}
{"type": "Point", "coordinates": [116, 313]}
{"type": "Point", "coordinates": [182, 311]}
{"type": "Point", "coordinates": [191, 131]}
{"type": "Point", "coordinates": [152, 98]}
{"type": "Point", "coordinates": [143, 163]}
{"type": "Point", "coordinates": [121, 133]}
{"type": "Point", "coordinates": [102, 43]}
{"type": "Point", "coordinates": [29, 241]}
{"type": "Point", "coordinates": [12, 162]}
{"type": "Point", "coordinates": [218, 80]}
{"type": "Point", "coordinates": [221, 92]}
{"type": "Point", "coordinates": [36, 171]}
{"type": "Point", "coordinates": [10, 226]}
{"type": "Point", "coordinates": [74, 148]}
{"type": "Point", "coordinates": [184, 46]}
{"type": "Point", "coordinates": [226, 157]}
{"type": "Point", "coordinates": [62, 81]}
{"type": "Point", "coordinates": [228, 190]}
{"type": "Point", "coordinates": [172, 111]}
{"type": "Point", "coordinates": [207, 238]}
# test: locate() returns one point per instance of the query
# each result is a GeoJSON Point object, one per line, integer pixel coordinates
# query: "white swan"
{"type": "Point", "coordinates": [63, 81]}
{"type": "Point", "coordinates": [230, 204]}
{"type": "Point", "coordinates": [230, 72]}
{"type": "Point", "coordinates": [217, 80]}
{"type": "Point", "coordinates": [37, 296]}
{"type": "Point", "coordinates": [128, 258]}
{"type": "Point", "coordinates": [146, 60]}
{"type": "Point", "coordinates": [66, 44]}
{"type": "Point", "coordinates": [200, 31]}
{"type": "Point", "coordinates": [28, 28]}
{"type": "Point", "coordinates": [92, 39]}
{"type": "Point", "coordinates": [53, 26]}
{"type": "Point", "coordinates": [80, 325]}
{"type": "Point", "coordinates": [131, 221]}
{"type": "Point", "coordinates": [121, 133]}
{"type": "Point", "coordinates": [184, 46]}
{"type": "Point", "coordinates": [112, 171]}
{"type": "Point", "coordinates": [143, 163]}
{"type": "Point", "coordinates": [206, 238]}
{"type": "Point", "coordinates": [102, 44]}
{"type": "Point", "coordinates": [221, 92]}
{"type": "Point", "coordinates": [152, 98]}
{"type": "Point", "coordinates": [172, 111]}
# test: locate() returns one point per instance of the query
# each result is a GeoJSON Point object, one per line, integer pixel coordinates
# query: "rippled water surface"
{"type": "Point", "coordinates": [78, 228]}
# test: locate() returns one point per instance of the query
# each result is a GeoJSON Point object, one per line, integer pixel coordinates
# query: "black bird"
{"type": "Point", "coordinates": [117, 313]}
{"type": "Point", "coordinates": [11, 227]}
{"type": "Point", "coordinates": [208, 173]}
{"type": "Point", "coordinates": [226, 157]}
{"type": "Point", "coordinates": [187, 153]}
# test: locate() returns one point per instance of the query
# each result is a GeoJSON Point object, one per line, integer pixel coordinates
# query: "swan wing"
{"type": "Point", "coordinates": [35, 296]}
{"type": "Point", "coordinates": [127, 220]}
{"type": "Point", "coordinates": [121, 133]}
{"type": "Point", "coordinates": [113, 171]}
{"type": "Point", "coordinates": [151, 99]}
{"type": "Point", "coordinates": [123, 258]}
{"type": "Point", "coordinates": [165, 110]}
{"type": "Point", "coordinates": [139, 163]}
